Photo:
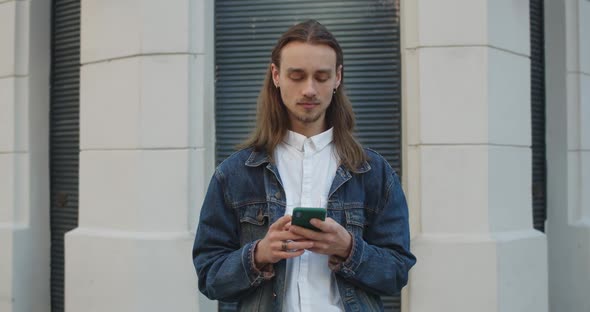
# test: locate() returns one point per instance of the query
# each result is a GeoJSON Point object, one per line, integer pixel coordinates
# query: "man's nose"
{"type": "Point", "coordinates": [310, 89]}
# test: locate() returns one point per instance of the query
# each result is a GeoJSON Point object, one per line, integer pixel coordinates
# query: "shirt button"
{"type": "Point", "coordinates": [278, 195]}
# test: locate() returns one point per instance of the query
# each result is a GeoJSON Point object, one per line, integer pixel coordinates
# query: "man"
{"type": "Point", "coordinates": [303, 154]}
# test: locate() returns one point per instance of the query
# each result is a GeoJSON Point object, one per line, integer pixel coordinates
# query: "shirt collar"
{"type": "Point", "coordinates": [319, 141]}
{"type": "Point", "coordinates": [258, 158]}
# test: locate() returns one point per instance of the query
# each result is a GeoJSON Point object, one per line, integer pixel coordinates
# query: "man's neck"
{"type": "Point", "coordinates": [310, 129]}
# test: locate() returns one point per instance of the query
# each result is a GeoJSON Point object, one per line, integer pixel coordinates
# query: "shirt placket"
{"type": "Point", "coordinates": [306, 201]}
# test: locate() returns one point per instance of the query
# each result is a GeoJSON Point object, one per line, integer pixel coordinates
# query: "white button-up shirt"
{"type": "Point", "coordinates": [307, 167]}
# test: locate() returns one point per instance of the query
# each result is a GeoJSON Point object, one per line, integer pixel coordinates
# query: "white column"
{"type": "Point", "coordinates": [467, 122]}
{"type": "Point", "coordinates": [146, 155]}
{"type": "Point", "coordinates": [24, 161]}
{"type": "Point", "coordinates": [567, 41]}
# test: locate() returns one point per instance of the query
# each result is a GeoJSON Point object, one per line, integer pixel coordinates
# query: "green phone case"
{"type": "Point", "coordinates": [302, 215]}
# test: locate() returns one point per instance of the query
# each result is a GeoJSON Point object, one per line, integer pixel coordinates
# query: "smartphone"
{"type": "Point", "coordinates": [302, 215]}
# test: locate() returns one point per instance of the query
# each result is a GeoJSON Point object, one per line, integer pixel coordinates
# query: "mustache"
{"type": "Point", "coordinates": [311, 101]}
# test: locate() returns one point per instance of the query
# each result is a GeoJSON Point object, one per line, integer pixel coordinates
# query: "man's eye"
{"type": "Point", "coordinates": [322, 78]}
{"type": "Point", "coordinates": [296, 77]}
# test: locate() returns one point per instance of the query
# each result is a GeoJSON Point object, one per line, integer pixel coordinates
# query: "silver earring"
{"type": "Point", "coordinates": [334, 91]}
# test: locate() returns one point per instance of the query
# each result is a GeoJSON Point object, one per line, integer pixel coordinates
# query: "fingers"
{"type": "Point", "coordinates": [293, 245]}
{"type": "Point", "coordinates": [286, 227]}
{"type": "Point", "coordinates": [279, 230]}
{"type": "Point", "coordinates": [277, 235]}
{"type": "Point", "coordinates": [290, 254]}
{"type": "Point", "coordinates": [333, 240]}
{"type": "Point", "coordinates": [290, 249]}
{"type": "Point", "coordinates": [280, 223]}
{"type": "Point", "coordinates": [306, 233]}
{"type": "Point", "coordinates": [326, 227]}
{"type": "Point", "coordinates": [322, 225]}
{"type": "Point", "coordinates": [285, 235]}
{"type": "Point", "coordinates": [321, 247]}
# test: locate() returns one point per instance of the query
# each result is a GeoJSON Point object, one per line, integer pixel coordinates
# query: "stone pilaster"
{"type": "Point", "coordinates": [146, 154]}
{"type": "Point", "coordinates": [567, 41]}
{"type": "Point", "coordinates": [24, 160]}
{"type": "Point", "coordinates": [468, 137]}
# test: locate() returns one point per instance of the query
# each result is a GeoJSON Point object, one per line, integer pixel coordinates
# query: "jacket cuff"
{"type": "Point", "coordinates": [347, 267]}
{"type": "Point", "coordinates": [255, 275]}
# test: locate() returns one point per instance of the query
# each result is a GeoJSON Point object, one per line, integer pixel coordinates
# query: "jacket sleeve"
{"type": "Point", "coordinates": [225, 270]}
{"type": "Point", "coordinates": [380, 258]}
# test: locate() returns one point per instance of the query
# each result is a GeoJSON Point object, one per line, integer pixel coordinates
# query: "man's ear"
{"type": "Point", "coordinates": [338, 76]}
{"type": "Point", "coordinates": [275, 73]}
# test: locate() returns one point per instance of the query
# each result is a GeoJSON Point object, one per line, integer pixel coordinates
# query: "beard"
{"type": "Point", "coordinates": [306, 116]}
{"type": "Point", "coordinates": [309, 118]}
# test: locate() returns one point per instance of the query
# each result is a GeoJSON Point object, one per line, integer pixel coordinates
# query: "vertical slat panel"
{"type": "Point", "coordinates": [538, 114]}
{"type": "Point", "coordinates": [368, 31]}
{"type": "Point", "coordinates": [64, 136]}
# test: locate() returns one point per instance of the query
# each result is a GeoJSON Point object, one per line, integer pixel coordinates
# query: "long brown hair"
{"type": "Point", "coordinates": [272, 119]}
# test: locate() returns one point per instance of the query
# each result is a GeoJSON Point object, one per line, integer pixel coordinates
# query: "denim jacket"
{"type": "Point", "coordinates": [245, 196]}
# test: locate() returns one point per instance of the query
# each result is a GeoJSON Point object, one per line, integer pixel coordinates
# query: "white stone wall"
{"type": "Point", "coordinates": [146, 139]}
{"type": "Point", "coordinates": [567, 44]}
{"type": "Point", "coordinates": [24, 161]}
{"type": "Point", "coordinates": [467, 126]}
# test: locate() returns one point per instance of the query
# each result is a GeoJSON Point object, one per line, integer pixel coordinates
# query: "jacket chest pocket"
{"type": "Point", "coordinates": [253, 222]}
{"type": "Point", "coordinates": [355, 219]}
{"type": "Point", "coordinates": [351, 216]}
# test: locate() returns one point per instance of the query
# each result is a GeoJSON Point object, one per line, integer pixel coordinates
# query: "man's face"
{"type": "Point", "coordinates": [307, 78]}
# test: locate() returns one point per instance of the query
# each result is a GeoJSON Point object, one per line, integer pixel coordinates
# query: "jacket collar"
{"type": "Point", "coordinates": [257, 158]}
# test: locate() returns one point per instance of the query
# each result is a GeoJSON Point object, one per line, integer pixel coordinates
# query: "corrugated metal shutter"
{"type": "Point", "coordinates": [64, 136]}
{"type": "Point", "coordinates": [368, 31]}
{"type": "Point", "coordinates": [538, 114]}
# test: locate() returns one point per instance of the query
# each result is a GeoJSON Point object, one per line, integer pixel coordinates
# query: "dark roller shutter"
{"type": "Point", "coordinates": [368, 31]}
{"type": "Point", "coordinates": [538, 114]}
{"type": "Point", "coordinates": [64, 134]}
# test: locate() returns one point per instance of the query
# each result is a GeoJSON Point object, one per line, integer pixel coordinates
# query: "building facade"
{"type": "Point", "coordinates": [112, 120]}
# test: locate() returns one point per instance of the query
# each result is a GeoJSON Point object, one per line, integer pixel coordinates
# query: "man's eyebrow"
{"type": "Point", "coordinates": [295, 70]}
{"type": "Point", "coordinates": [299, 70]}
{"type": "Point", "coordinates": [324, 71]}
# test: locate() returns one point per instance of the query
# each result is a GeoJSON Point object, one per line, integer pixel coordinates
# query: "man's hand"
{"type": "Point", "coordinates": [333, 240]}
{"type": "Point", "coordinates": [270, 248]}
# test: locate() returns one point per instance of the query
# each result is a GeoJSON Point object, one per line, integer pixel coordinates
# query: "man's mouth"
{"type": "Point", "coordinates": [308, 105]}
